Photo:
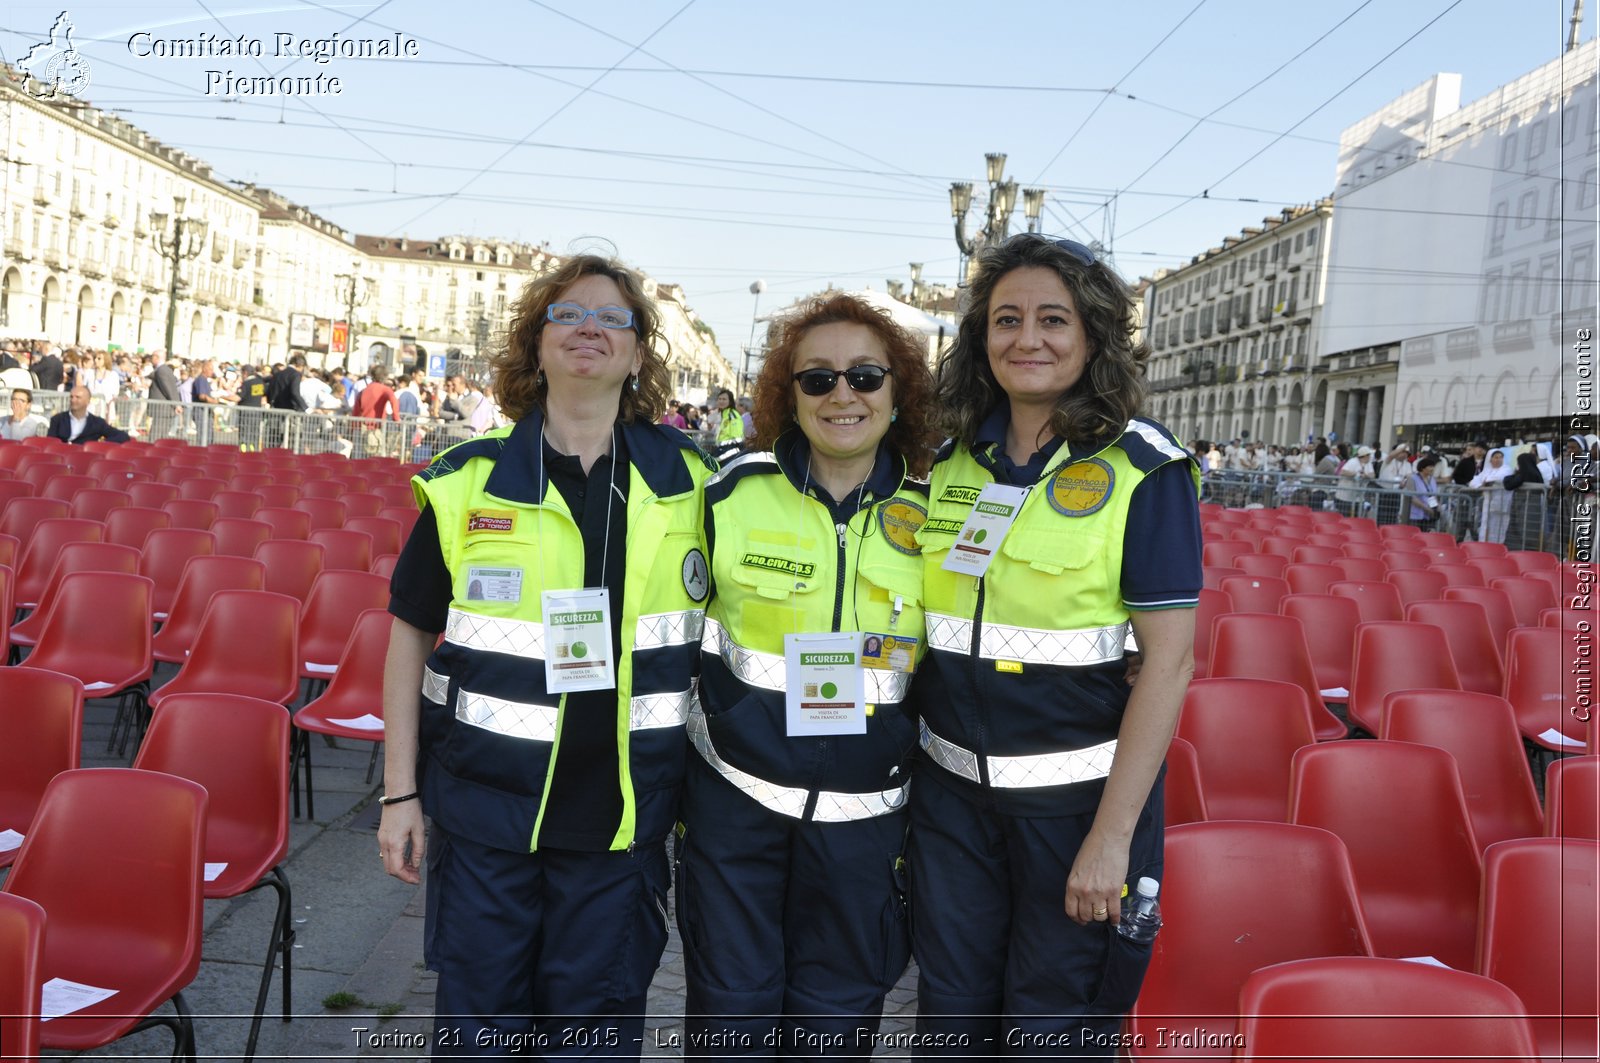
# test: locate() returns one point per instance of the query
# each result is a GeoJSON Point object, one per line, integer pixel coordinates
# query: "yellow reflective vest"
{"type": "Point", "coordinates": [490, 732]}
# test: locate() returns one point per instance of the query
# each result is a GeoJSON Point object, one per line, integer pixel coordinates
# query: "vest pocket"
{"type": "Point", "coordinates": [1060, 549]}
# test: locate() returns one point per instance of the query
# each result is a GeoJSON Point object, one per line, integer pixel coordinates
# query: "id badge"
{"type": "Point", "coordinates": [823, 684]}
{"type": "Point", "coordinates": [985, 529]}
{"type": "Point", "coordinates": [895, 653]}
{"type": "Point", "coordinates": [577, 641]}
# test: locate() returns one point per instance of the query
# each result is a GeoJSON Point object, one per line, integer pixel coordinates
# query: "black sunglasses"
{"type": "Point", "coordinates": [859, 377]}
{"type": "Point", "coordinates": [1078, 251]}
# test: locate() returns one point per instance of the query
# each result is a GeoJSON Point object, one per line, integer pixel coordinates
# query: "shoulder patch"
{"type": "Point", "coordinates": [457, 456]}
{"type": "Point", "coordinates": [900, 519]}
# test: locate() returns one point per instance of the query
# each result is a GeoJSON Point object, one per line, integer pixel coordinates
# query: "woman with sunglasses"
{"type": "Point", "coordinates": [562, 559]}
{"type": "Point", "coordinates": [1058, 516]}
{"type": "Point", "coordinates": [790, 883]}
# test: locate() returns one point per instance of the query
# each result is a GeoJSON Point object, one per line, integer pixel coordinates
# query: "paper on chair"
{"type": "Point", "coordinates": [1336, 693]}
{"type": "Point", "coordinates": [60, 997]}
{"type": "Point", "coordinates": [364, 722]}
{"type": "Point", "coordinates": [96, 686]}
{"type": "Point", "coordinates": [321, 669]}
{"type": "Point", "coordinates": [9, 840]}
{"type": "Point", "coordinates": [214, 871]}
{"type": "Point", "coordinates": [1429, 960]}
{"type": "Point", "coordinates": [1556, 738]}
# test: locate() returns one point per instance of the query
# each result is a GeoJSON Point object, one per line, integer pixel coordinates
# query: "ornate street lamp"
{"type": "Point", "coordinates": [997, 215]}
{"type": "Point", "coordinates": [357, 290]}
{"type": "Point", "coordinates": [185, 241]}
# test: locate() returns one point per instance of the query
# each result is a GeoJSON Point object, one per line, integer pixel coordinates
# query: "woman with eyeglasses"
{"type": "Point", "coordinates": [1058, 518]}
{"type": "Point", "coordinates": [790, 883]}
{"type": "Point", "coordinates": [563, 561]}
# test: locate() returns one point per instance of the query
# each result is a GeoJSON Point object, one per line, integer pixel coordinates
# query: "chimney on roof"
{"type": "Point", "coordinates": [402, 243]}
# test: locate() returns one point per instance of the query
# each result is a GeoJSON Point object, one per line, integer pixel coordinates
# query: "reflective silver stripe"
{"type": "Point", "coordinates": [520, 638]}
{"type": "Point", "coordinates": [668, 629]}
{"type": "Point", "coordinates": [514, 719]}
{"type": "Point", "coordinates": [880, 686]}
{"type": "Point", "coordinates": [1042, 769]}
{"type": "Point", "coordinates": [435, 687]}
{"type": "Point", "coordinates": [1030, 645]}
{"type": "Point", "coordinates": [1150, 434]}
{"type": "Point", "coordinates": [832, 807]}
{"type": "Point", "coordinates": [649, 711]}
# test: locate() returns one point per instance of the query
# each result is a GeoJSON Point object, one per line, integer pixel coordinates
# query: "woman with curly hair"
{"type": "Point", "coordinates": [1058, 517]}
{"type": "Point", "coordinates": [790, 884]}
{"type": "Point", "coordinates": [562, 559]}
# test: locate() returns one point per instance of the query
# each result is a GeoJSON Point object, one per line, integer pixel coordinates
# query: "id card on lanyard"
{"type": "Point", "coordinates": [823, 684]}
{"type": "Point", "coordinates": [577, 641]}
{"type": "Point", "coordinates": [985, 529]}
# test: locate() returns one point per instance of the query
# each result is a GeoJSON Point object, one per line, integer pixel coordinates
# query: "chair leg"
{"type": "Point", "coordinates": [372, 763]}
{"type": "Point", "coordinates": [116, 723]}
{"type": "Point", "coordinates": [295, 739]}
{"type": "Point", "coordinates": [281, 942]}
{"type": "Point", "coordinates": [305, 758]}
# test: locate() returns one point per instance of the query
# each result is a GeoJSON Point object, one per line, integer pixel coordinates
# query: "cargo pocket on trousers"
{"type": "Point", "coordinates": [438, 844]}
{"type": "Point", "coordinates": [648, 939]}
{"type": "Point", "coordinates": [896, 926]}
{"type": "Point", "coordinates": [1126, 964]}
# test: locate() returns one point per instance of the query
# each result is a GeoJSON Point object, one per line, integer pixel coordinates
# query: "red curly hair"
{"type": "Point", "coordinates": [913, 434]}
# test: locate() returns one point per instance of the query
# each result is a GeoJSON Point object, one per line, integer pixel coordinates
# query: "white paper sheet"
{"type": "Point", "coordinates": [214, 871]}
{"type": "Point", "coordinates": [321, 669]}
{"type": "Point", "coordinates": [9, 840]}
{"type": "Point", "coordinates": [63, 997]}
{"type": "Point", "coordinates": [364, 722]}
{"type": "Point", "coordinates": [1336, 693]}
{"type": "Point", "coordinates": [1428, 960]}
{"type": "Point", "coordinates": [1556, 738]}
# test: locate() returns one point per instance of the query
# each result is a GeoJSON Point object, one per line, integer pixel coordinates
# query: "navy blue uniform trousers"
{"type": "Point", "coordinates": [1001, 969]}
{"type": "Point", "coordinates": [542, 954]}
{"type": "Point", "coordinates": [792, 931]}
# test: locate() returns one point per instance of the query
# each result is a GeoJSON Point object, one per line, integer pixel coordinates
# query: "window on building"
{"type": "Point", "coordinates": [1586, 191]}
{"type": "Point", "coordinates": [1527, 206]}
{"type": "Point", "coordinates": [1497, 227]}
{"type": "Point", "coordinates": [1536, 140]}
{"type": "Point", "coordinates": [1489, 298]}
{"type": "Point", "coordinates": [1571, 118]}
{"type": "Point", "coordinates": [1580, 277]}
{"type": "Point", "coordinates": [1508, 150]}
{"type": "Point", "coordinates": [1299, 242]}
{"type": "Point", "coordinates": [1304, 337]}
{"type": "Point", "coordinates": [1517, 292]}
{"type": "Point", "coordinates": [1311, 238]}
{"type": "Point", "coordinates": [1548, 283]}
{"type": "Point", "coordinates": [1552, 217]}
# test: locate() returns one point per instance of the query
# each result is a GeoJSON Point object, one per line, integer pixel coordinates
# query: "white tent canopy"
{"type": "Point", "coordinates": [904, 314]}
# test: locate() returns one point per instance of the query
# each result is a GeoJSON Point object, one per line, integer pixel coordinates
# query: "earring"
{"type": "Point", "coordinates": [894, 415]}
{"type": "Point", "coordinates": [539, 381]}
{"type": "Point", "coordinates": [635, 380]}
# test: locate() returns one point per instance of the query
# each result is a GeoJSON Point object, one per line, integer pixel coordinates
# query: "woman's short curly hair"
{"type": "Point", "coordinates": [1109, 393]}
{"type": "Point", "coordinates": [520, 387]}
{"type": "Point", "coordinates": [913, 434]}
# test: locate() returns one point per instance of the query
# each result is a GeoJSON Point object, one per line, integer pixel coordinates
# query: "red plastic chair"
{"type": "Point", "coordinates": [1536, 668]}
{"type": "Point", "coordinates": [1477, 549]}
{"type": "Point", "coordinates": [166, 551]}
{"type": "Point", "coordinates": [239, 537]}
{"type": "Point", "coordinates": [293, 565]}
{"type": "Point", "coordinates": [10, 551]}
{"type": "Point", "coordinates": [405, 516]}
{"type": "Point", "coordinates": [1400, 810]}
{"type": "Point", "coordinates": [22, 515]}
{"type": "Point", "coordinates": [95, 503]}
{"type": "Point", "coordinates": [191, 513]}
{"type": "Point", "coordinates": [1440, 555]}
{"type": "Point", "coordinates": [1496, 606]}
{"type": "Point", "coordinates": [21, 953]}
{"type": "Point", "coordinates": [1339, 1009]}
{"type": "Point", "coordinates": [202, 577]}
{"type": "Point", "coordinates": [285, 523]}
{"type": "Point", "coordinates": [149, 495]}
{"type": "Point", "coordinates": [1183, 799]}
{"type": "Point", "coordinates": [1566, 619]}
{"type": "Point", "coordinates": [384, 564]}
{"type": "Point", "coordinates": [1323, 540]}
{"type": "Point", "coordinates": [1219, 927]}
{"type": "Point", "coordinates": [1221, 554]}
{"type": "Point", "coordinates": [1213, 575]}
{"type": "Point", "coordinates": [261, 620]}
{"type": "Point", "coordinates": [7, 581]}
{"type": "Point", "coordinates": [1538, 936]}
{"type": "Point", "coordinates": [41, 715]}
{"type": "Point", "coordinates": [1400, 531]}
{"type": "Point", "coordinates": [385, 533]}
{"type": "Point", "coordinates": [1212, 604]}
{"type": "Point", "coordinates": [235, 747]}
{"type": "Point", "coordinates": [343, 549]}
{"type": "Point", "coordinates": [336, 602]}
{"type": "Point", "coordinates": [1392, 656]}
{"type": "Point", "coordinates": [1254, 594]}
{"type": "Point", "coordinates": [1309, 578]}
{"type": "Point", "coordinates": [238, 505]}
{"type": "Point", "coordinates": [1316, 555]}
{"type": "Point", "coordinates": [1257, 646]}
{"type": "Point", "coordinates": [1494, 567]}
{"type": "Point", "coordinates": [200, 488]}
{"type": "Point", "coordinates": [323, 512]}
{"type": "Point", "coordinates": [10, 489]}
{"type": "Point", "coordinates": [1572, 798]}
{"type": "Point", "coordinates": [1269, 565]}
{"type": "Point", "coordinates": [1459, 575]}
{"type": "Point", "coordinates": [131, 525]}
{"type": "Point", "coordinates": [396, 495]}
{"type": "Point", "coordinates": [249, 482]}
{"type": "Point", "coordinates": [1533, 561]}
{"type": "Point", "coordinates": [1375, 601]}
{"type": "Point", "coordinates": [1417, 585]}
{"type": "Point", "coordinates": [1472, 648]}
{"type": "Point", "coordinates": [40, 473]}
{"type": "Point", "coordinates": [1550, 577]}
{"type": "Point", "coordinates": [1434, 540]}
{"type": "Point", "coordinates": [50, 537]}
{"type": "Point", "coordinates": [322, 489]}
{"type": "Point", "coordinates": [1528, 597]}
{"type": "Point", "coordinates": [98, 632]}
{"type": "Point", "coordinates": [1330, 627]}
{"type": "Point", "coordinates": [1397, 560]}
{"type": "Point", "coordinates": [1245, 779]}
{"type": "Point", "coordinates": [279, 495]}
{"type": "Point", "coordinates": [1480, 731]}
{"type": "Point", "coordinates": [74, 557]}
{"type": "Point", "coordinates": [137, 930]}
{"type": "Point", "coordinates": [354, 693]}
{"type": "Point", "coordinates": [1361, 568]}
{"type": "Point", "coordinates": [360, 504]}
{"type": "Point", "coordinates": [1282, 545]}
{"type": "Point", "coordinates": [1365, 551]}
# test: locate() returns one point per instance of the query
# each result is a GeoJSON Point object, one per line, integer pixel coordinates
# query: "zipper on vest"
{"type": "Point", "coordinates": [838, 584]}
{"type": "Point", "coordinates": [972, 664]}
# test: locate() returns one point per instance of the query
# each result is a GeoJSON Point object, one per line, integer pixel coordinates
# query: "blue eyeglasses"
{"type": "Point", "coordinates": [1078, 251]}
{"type": "Point", "coordinates": [613, 317]}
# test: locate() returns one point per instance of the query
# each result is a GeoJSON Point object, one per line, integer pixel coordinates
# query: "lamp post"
{"type": "Point", "coordinates": [356, 294]}
{"type": "Point", "coordinates": [997, 214]}
{"type": "Point", "coordinates": [756, 288]}
{"type": "Point", "coordinates": [187, 238]}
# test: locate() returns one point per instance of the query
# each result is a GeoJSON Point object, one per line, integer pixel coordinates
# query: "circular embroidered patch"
{"type": "Point", "coordinates": [1081, 488]}
{"type": "Point", "coordinates": [696, 579]}
{"type": "Point", "coordinates": [900, 521]}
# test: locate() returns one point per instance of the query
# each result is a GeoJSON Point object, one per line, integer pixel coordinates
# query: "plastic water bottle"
{"type": "Point", "coordinates": [1141, 913]}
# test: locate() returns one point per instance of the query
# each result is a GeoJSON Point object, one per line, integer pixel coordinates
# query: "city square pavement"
{"type": "Point", "coordinates": [358, 940]}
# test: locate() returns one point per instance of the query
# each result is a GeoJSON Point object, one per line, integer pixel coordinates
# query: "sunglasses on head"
{"type": "Point", "coordinates": [859, 377]}
{"type": "Point", "coordinates": [1078, 251]}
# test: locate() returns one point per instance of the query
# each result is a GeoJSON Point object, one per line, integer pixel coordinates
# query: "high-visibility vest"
{"type": "Point", "coordinates": [491, 733]}
{"type": "Point", "coordinates": [782, 565]}
{"type": "Point", "coordinates": [1022, 692]}
{"type": "Point", "coordinates": [731, 427]}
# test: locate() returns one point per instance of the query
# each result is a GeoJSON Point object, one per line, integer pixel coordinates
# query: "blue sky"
{"type": "Point", "coordinates": [714, 142]}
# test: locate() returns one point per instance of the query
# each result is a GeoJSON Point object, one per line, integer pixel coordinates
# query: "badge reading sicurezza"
{"type": "Point", "coordinates": [577, 641]}
{"type": "Point", "coordinates": [823, 684]}
{"type": "Point", "coordinates": [985, 529]}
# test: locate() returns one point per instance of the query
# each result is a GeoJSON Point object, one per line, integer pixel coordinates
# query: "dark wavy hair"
{"type": "Point", "coordinates": [913, 434]}
{"type": "Point", "coordinates": [520, 387]}
{"type": "Point", "coordinates": [1112, 389]}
